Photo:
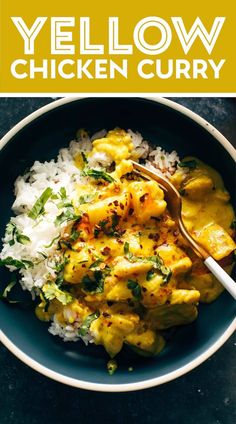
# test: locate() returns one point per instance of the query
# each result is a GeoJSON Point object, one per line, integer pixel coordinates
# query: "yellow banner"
{"type": "Point", "coordinates": [110, 47]}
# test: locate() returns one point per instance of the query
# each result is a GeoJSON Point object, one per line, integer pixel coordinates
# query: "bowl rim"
{"type": "Point", "coordinates": [123, 387]}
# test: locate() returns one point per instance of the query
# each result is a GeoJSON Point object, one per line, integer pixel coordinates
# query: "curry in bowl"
{"type": "Point", "coordinates": [98, 248]}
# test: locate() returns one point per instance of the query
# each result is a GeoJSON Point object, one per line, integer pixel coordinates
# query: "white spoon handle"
{"type": "Point", "coordinates": [221, 275]}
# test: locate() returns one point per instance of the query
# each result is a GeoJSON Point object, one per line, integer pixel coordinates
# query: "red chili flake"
{"type": "Point", "coordinates": [151, 236]}
{"type": "Point", "coordinates": [109, 324]}
{"type": "Point", "coordinates": [144, 289]}
{"type": "Point", "coordinates": [131, 211]}
{"type": "Point", "coordinates": [141, 246]}
{"type": "Point", "coordinates": [131, 196]}
{"type": "Point", "coordinates": [155, 247]}
{"type": "Point", "coordinates": [106, 251]}
{"type": "Point", "coordinates": [143, 198]}
{"type": "Point", "coordinates": [122, 206]}
{"type": "Point", "coordinates": [116, 203]}
{"type": "Point", "coordinates": [83, 266]}
{"type": "Point", "coordinates": [106, 315]}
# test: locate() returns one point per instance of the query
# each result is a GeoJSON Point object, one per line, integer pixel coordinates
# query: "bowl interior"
{"type": "Point", "coordinates": [41, 140]}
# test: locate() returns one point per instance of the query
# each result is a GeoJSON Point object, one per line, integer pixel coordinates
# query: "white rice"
{"type": "Point", "coordinates": [68, 333]}
{"type": "Point", "coordinates": [56, 174]}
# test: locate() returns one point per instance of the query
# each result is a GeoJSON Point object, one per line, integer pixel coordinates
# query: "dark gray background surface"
{"type": "Point", "coordinates": [207, 395]}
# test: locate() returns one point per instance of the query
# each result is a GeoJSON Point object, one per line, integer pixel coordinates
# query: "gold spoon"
{"type": "Point", "coordinates": [174, 202]}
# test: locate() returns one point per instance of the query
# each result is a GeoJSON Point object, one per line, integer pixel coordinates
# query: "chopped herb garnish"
{"type": "Point", "coordinates": [85, 198]}
{"type": "Point", "coordinates": [59, 268]}
{"type": "Point", "coordinates": [150, 275]}
{"type": "Point", "coordinates": [93, 286]}
{"type": "Point", "coordinates": [159, 264]}
{"type": "Point", "coordinates": [53, 240]}
{"type": "Point", "coordinates": [98, 175]}
{"type": "Point", "coordinates": [51, 291]}
{"type": "Point", "coordinates": [126, 248]}
{"type": "Point", "coordinates": [38, 208]}
{"type": "Point", "coordinates": [64, 244]}
{"type": "Point", "coordinates": [67, 215]}
{"type": "Point", "coordinates": [6, 291]}
{"type": "Point", "coordinates": [112, 366]}
{"type": "Point", "coordinates": [16, 235]}
{"type": "Point", "coordinates": [62, 193]}
{"type": "Point", "coordinates": [191, 164]}
{"type": "Point", "coordinates": [135, 289]}
{"type": "Point", "coordinates": [43, 255]}
{"type": "Point", "coordinates": [100, 227]}
{"type": "Point", "coordinates": [84, 157]}
{"type": "Point", "coordinates": [95, 265]}
{"type": "Point", "coordinates": [64, 203]}
{"type": "Point", "coordinates": [74, 234]}
{"type": "Point", "coordinates": [84, 329]}
{"type": "Point", "coordinates": [114, 231]}
{"type": "Point", "coordinates": [9, 261]}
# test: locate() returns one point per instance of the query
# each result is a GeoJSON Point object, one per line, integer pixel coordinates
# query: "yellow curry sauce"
{"type": "Point", "coordinates": [130, 272]}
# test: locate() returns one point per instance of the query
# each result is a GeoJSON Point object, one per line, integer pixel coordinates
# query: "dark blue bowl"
{"type": "Point", "coordinates": [39, 137]}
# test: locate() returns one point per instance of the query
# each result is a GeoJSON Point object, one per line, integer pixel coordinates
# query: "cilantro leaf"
{"type": "Point", "coordinates": [9, 261]}
{"type": "Point", "coordinates": [191, 164]}
{"type": "Point", "coordinates": [94, 266]}
{"type": "Point", "coordinates": [67, 215]}
{"type": "Point", "coordinates": [135, 289]}
{"type": "Point", "coordinates": [16, 235]}
{"type": "Point", "coordinates": [84, 329]}
{"type": "Point", "coordinates": [150, 275]}
{"type": "Point", "coordinates": [74, 234]}
{"type": "Point", "coordinates": [85, 198]}
{"type": "Point", "coordinates": [53, 240]}
{"type": "Point", "coordinates": [98, 175]}
{"type": "Point", "coordinates": [51, 291]}
{"type": "Point", "coordinates": [84, 157]}
{"type": "Point", "coordinates": [38, 208]}
{"type": "Point", "coordinates": [111, 366]}
{"type": "Point", "coordinates": [95, 285]}
{"type": "Point", "coordinates": [126, 248]}
{"type": "Point", "coordinates": [6, 291]}
{"type": "Point", "coordinates": [64, 203]}
{"type": "Point", "coordinates": [158, 263]}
